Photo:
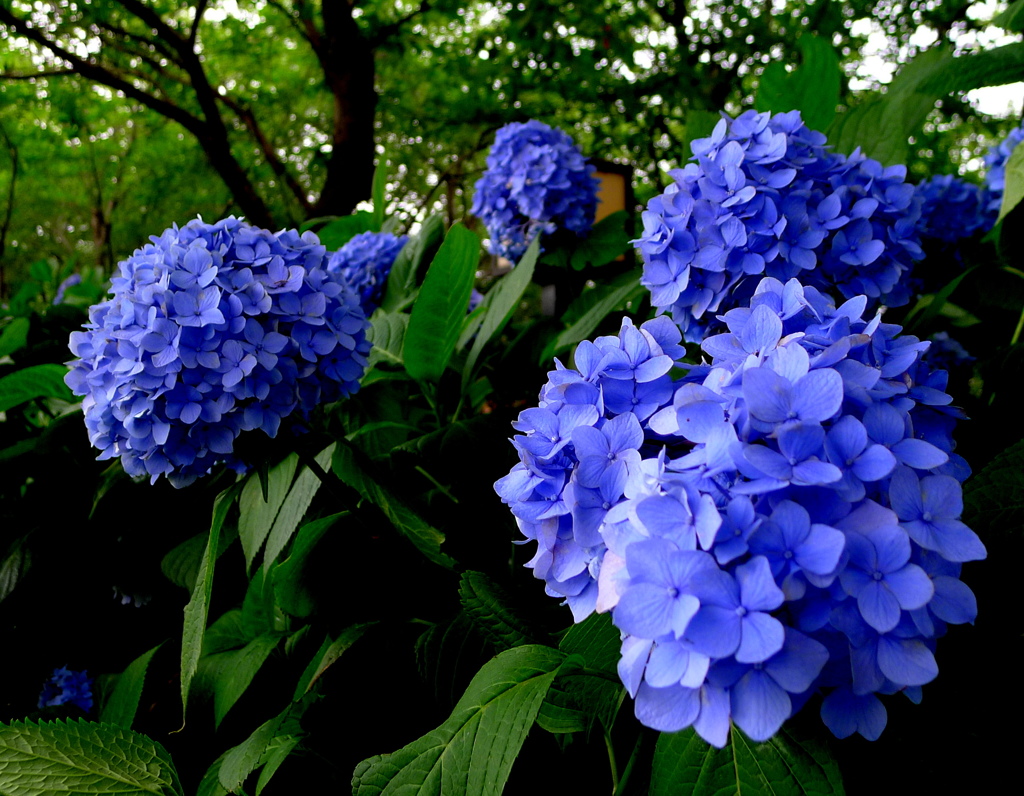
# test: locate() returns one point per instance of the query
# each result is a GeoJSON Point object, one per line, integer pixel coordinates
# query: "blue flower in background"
{"type": "Point", "coordinates": [536, 182]}
{"type": "Point", "coordinates": [365, 262]}
{"type": "Point", "coordinates": [952, 209]}
{"type": "Point", "coordinates": [995, 177]}
{"type": "Point", "coordinates": [765, 196]}
{"type": "Point", "coordinates": [65, 686]}
{"type": "Point", "coordinates": [780, 521]}
{"type": "Point", "coordinates": [213, 330]}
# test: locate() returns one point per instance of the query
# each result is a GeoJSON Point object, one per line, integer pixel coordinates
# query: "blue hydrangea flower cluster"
{"type": "Point", "coordinates": [767, 197]}
{"type": "Point", "coordinates": [781, 521]}
{"type": "Point", "coordinates": [65, 686]}
{"type": "Point", "coordinates": [365, 262]}
{"type": "Point", "coordinates": [536, 181]}
{"type": "Point", "coordinates": [995, 160]}
{"type": "Point", "coordinates": [952, 209]}
{"type": "Point", "coordinates": [213, 330]}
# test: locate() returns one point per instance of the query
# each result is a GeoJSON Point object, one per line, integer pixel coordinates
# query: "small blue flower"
{"type": "Point", "coordinates": [65, 686]}
{"type": "Point", "coordinates": [536, 182]}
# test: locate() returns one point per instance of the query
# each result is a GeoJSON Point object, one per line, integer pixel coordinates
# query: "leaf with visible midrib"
{"type": "Point", "coordinates": [487, 605]}
{"type": "Point", "coordinates": [440, 307]}
{"type": "Point", "coordinates": [37, 381]}
{"type": "Point", "coordinates": [503, 298]}
{"type": "Point", "coordinates": [685, 763]}
{"type": "Point", "coordinates": [124, 701]}
{"type": "Point", "coordinates": [52, 758]}
{"type": "Point", "coordinates": [473, 751]}
{"type": "Point", "coordinates": [994, 498]}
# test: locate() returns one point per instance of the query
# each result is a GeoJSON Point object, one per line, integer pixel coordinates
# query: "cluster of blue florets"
{"type": "Point", "coordinates": [995, 176]}
{"type": "Point", "coordinates": [767, 197]}
{"type": "Point", "coordinates": [780, 521]}
{"type": "Point", "coordinates": [365, 262]}
{"type": "Point", "coordinates": [536, 182]}
{"type": "Point", "coordinates": [67, 687]}
{"type": "Point", "coordinates": [952, 209]}
{"type": "Point", "coordinates": [213, 330]}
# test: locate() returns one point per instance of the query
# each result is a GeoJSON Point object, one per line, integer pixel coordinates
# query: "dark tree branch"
{"type": "Point", "coordinates": [154, 44]}
{"type": "Point", "coordinates": [295, 20]}
{"type": "Point", "coordinates": [34, 75]}
{"type": "Point", "coordinates": [200, 10]}
{"type": "Point", "coordinates": [279, 168]}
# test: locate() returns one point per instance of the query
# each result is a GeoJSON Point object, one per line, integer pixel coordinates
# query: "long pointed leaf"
{"type": "Point", "coordinates": [437, 315]}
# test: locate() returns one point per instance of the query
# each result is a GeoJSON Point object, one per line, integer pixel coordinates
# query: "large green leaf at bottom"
{"type": "Point", "coordinates": [473, 751]}
{"type": "Point", "coordinates": [782, 766]}
{"type": "Point", "coordinates": [53, 758]}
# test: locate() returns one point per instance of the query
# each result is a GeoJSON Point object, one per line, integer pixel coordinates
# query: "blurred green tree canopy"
{"type": "Point", "coordinates": [119, 117]}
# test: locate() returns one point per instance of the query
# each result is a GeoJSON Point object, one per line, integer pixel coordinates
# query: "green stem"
{"type": "Point", "coordinates": [435, 482]}
{"type": "Point", "coordinates": [629, 767]}
{"type": "Point", "coordinates": [1017, 331]}
{"type": "Point", "coordinates": [611, 763]}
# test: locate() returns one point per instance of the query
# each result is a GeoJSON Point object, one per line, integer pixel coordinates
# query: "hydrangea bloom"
{"type": "Point", "coordinates": [995, 177]}
{"type": "Point", "coordinates": [365, 262]}
{"type": "Point", "coordinates": [952, 209]}
{"type": "Point", "coordinates": [213, 330]}
{"type": "Point", "coordinates": [780, 521]}
{"type": "Point", "coordinates": [66, 686]}
{"type": "Point", "coordinates": [767, 197]}
{"type": "Point", "coordinates": [536, 182]}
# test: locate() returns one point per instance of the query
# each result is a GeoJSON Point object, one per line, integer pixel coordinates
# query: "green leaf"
{"type": "Point", "coordinates": [275, 754]}
{"type": "Point", "coordinates": [812, 88]}
{"type": "Point", "coordinates": [78, 757]}
{"type": "Point", "coordinates": [294, 508]}
{"type": "Point", "coordinates": [992, 67]}
{"type": "Point", "coordinates": [14, 336]}
{"type": "Point", "coordinates": [259, 612]}
{"type": "Point", "coordinates": [473, 751]}
{"type": "Point", "coordinates": [342, 229]}
{"type": "Point", "coordinates": [994, 498]}
{"type": "Point", "coordinates": [606, 240]}
{"type": "Point", "coordinates": [380, 179]}
{"type": "Point", "coordinates": [225, 634]}
{"type": "Point", "coordinates": [402, 280]}
{"type": "Point", "coordinates": [124, 701]}
{"type": "Point", "coordinates": [440, 307]}
{"type": "Point", "coordinates": [502, 300]}
{"type": "Point", "coordinates": [348, 637]}
{"type": "Point", "coordinates": [37, 381]}
{"type": "Point", "coordinates": [210, 784]}
{"type": "Point", "coordinates": [486, 603]}
{"type": "Point", "coordinates": [931, 306]}
{"type": "Point", "coordinates": [685, 763]}
{"type": "Point", "coordinates": [243, 759]}
{"type": "Point", "coordinates": [13, 568]}
{"type": "Point", "coordinates": [356, 470]}
{"type": "Point", "coordinates": [1014, 190]}
{"type": "Point", "coordinates": [289, 581]}
{"type": "Point", "coordinates": [387, 333]}
{"type": "Point", "coordinates": [881, 127]}
{"type": "Point", "coordinates": [1012, 19]}
{"type": "Point", "coordinates": [233, 672]}
{"type": "Point", "coordinates": [256, 515]}
{"type": "Point", "coordinates": [596, 640]}
{"type": "Point", "coordinates": [582, 329]}
{"type": "Point", "coordinates": [199, 605]}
